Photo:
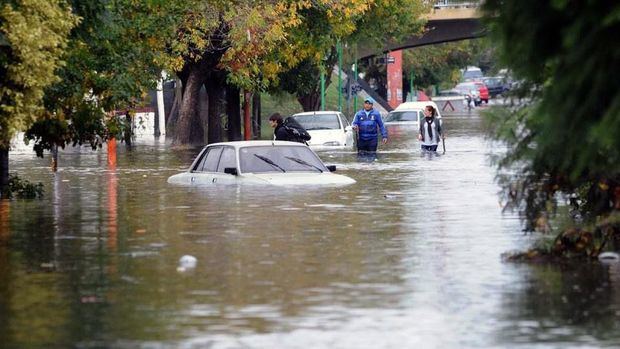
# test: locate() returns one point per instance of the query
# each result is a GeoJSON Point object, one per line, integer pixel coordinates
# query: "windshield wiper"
{"type": "Point", "coordinates": [300, 161]}
{"type": "Point", "coordinates": [319, 128]}
{"type": "Point", "coordinates": [270, 162]}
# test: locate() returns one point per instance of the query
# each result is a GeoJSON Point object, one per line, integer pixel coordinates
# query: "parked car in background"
{"type": "Point", "coordinates": [259, 162]}
{"type": "Point", "coordinates": [496, 85]}
{"type": "Point", "coordinates": [409, 113]}
{"type": "Point", "coordinates": [328, 129]}
{"type": "Point", "coordinates": [470, 90]}
{"type": "Point", "coordinates": [449, 93]}
{"type": "Point", "coordinates": [483, 90]}
{"type": "Point", "coordinates": [471, 73]}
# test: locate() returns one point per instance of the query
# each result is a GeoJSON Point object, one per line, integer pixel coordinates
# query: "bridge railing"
{"type": "Point", "coordinates": [456, 3]}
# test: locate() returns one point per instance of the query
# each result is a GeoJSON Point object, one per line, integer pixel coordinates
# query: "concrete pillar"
{"type": "Point", "coordinates": [395, 78]}
{"type": "Point", "coordinates": [161, 114]}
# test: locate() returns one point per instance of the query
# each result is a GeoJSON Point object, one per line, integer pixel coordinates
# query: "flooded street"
{"type": "Point", "coordinates": [408, 257]}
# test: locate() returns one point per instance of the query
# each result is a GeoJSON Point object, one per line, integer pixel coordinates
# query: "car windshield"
{"type": "Point", "coordinates": [472, 74]}
{"type": "Point", "coordinates": [279, 158]}
{"type": "Point", "coordinates": [466, 88]}
{"type": "Point", "coordinates": [449, 93]}
{"type": "Point", "coordinates": [410, 115]}
{"type": "Point", "coordinates": [318, 121]}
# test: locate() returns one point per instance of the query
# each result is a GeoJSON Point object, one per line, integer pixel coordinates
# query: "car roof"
{"type": "Point", "coordinates": [415, 105]}
{"type": "Point", "coordinates": [241, 144]}
{"type": "Point", "coordinates": [319, 112]}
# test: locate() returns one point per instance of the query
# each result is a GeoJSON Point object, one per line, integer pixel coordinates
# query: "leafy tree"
{"type": "Point", "coordinates": [562, 137]}
{"type": "Point", "coordinates": [313, 41]}
{"type": "Point", "coordinates": [33, 36]}
{"type": "Point", "coordinates": [110, 65]}
{"type": "Point", "coordinates": [215, 37]}
{"type": "Point", "coordinates": [436, 64]}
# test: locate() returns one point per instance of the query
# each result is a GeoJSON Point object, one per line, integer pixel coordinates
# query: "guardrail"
{"type": "Point", "coordinates": [456, 3]}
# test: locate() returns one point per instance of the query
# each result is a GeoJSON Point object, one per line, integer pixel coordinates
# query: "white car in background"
{"type": "Point", "coordinates": [328, 129]}
{"type": "Point", "coordinates": [409, 113]}
{"type": "Point", "coordinates": [259, 162]}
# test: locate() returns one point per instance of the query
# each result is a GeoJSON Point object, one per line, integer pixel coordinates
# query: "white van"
{"type": "Point", "coordinates": [471, 74]}
{"type": "Point", "coordinates": [409, 113]}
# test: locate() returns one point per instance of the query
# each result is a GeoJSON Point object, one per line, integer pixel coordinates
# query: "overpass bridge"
{"type": "Point", "coordinates": [449, 20]}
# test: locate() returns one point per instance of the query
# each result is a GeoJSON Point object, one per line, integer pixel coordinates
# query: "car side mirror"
{"type": "Point", "coordinates": [231, 170]}
{"type": "Point", "coordinates": [331, 168]}
{"type": "Point", "coordinates": [348, 128]}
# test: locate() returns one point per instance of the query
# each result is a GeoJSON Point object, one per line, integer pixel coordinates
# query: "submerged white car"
{"type": "Point", "coordinates": [328, 129]}
{"type": "Point", "coordinates": [259, 162]}
{"type": "Point", "coordinates": [409, 113]}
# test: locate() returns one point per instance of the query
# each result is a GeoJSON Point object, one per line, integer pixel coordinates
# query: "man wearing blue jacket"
{"type": "Point", "coordinates": [366, 122]}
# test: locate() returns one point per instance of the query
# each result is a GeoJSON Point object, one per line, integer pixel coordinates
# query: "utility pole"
{"type": "Point", "coordinates": [339, 50]}
{"type": "Point", "coordinates": [355, 81]}
{"type": "Point", "coordinates": [414, 96]}
{"type": "Point", "coordinates": [161, 117]}
{"type": "Point", "coordinates": [322, 90]}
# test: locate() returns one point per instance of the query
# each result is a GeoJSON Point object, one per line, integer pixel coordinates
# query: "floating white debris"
{"type": "Point", "coordinates": [187, 262]}
{"type": "Point", "coordinates": [392, 195]}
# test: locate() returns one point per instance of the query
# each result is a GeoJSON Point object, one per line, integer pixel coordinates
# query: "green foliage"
{"type": "Point", "coordinates": [34, 36]}
{"type": "Point", "coordinates": [23, 189]}
{"type": "Point", "coordinates": [110, 65]}
{"type": "Point", "coordinates": [434, 64]}
{"type": "Point", "coordinates": [86, 127]}
{"type": "Point", "coordinates": [562, 135]}
{"type": "Point", "coordinates": [312, 48]}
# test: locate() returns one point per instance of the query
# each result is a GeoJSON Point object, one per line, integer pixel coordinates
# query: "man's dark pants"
{"type": "Point", "coordinates": [367, 145]}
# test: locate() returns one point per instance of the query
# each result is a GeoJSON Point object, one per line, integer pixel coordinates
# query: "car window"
{"type": "Point", "coordinates": [409, 115]}
{"type": "Point", "coordinates": [201, 161]}
{"type": "Point", "coordinates": [209, 160]}
{"type": "Point", "coordinates": [492, 81]}
{"type": "Point", "coordinates": [344, 121]}
{"type": "Point", "coordinates": [227, 159]}
{"type": "Point", "coordinates": [279, 158]}
{"type": "Point", "coordinates": [318, 121]}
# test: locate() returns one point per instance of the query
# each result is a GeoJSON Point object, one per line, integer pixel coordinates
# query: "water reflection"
{"type": "Point", "coordinates": [408, 256]}
{"type": "Point", "coordinates": [574, 303]}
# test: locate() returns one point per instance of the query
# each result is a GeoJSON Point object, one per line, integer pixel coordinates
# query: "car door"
{"type": "Point", "coordinates": [348, 130]}
{"type": "Point", "coordinates": [205, 170]}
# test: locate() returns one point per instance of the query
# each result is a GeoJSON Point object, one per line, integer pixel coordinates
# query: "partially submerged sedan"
{"type": "Point", "coordinates": [328, 129]}
{"type": "Point", "coordinates": [259, 162]}
{"type": "Point", "coordinates": [409, 113]}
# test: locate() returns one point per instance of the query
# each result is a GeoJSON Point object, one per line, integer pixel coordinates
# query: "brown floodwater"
{"type": "Point", "coordinates": [408, 257]}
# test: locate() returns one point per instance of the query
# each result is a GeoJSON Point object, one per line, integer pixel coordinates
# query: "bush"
{"type": "Point", "coordinates": [23, 189]}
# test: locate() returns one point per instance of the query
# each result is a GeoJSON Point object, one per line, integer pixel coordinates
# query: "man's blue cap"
{"type": "Point", "coordinates": [369, 100]}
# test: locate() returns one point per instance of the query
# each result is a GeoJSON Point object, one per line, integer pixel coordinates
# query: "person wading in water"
{"type": "Point", "coordinates": [430, 130]}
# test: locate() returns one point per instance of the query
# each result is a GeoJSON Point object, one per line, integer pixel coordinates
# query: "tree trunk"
{"type": "Point", "coordinates": [256, 111]}
{"type": "Point", "coordinates": [128, 130]}
{"type": "Point", "coordinates": [54, 157]}
{"type": "Point", "coordinates": [216, 91]}
{"type": "Point", "coordinates": [189, 129]}
{"type": "Point", "coordinates": [173, 117]}
{"type": "Point", "coordinates": [4, 172]}
{"type": "Point", "coordinates": [310, 102]}
{"type": "Point", "coordinates": [233, 111]}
